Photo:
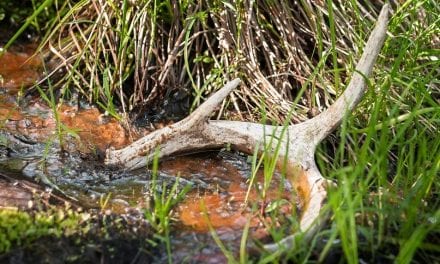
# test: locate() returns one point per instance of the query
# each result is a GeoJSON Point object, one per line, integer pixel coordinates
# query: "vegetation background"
{"type": "Point", "coordinates": [132, 57]}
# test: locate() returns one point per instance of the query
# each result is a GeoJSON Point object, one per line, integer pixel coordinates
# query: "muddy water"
{"type": "Point", "coordinates": [71, 162]}
{"type": "Point", "coordinates": [19, 68]}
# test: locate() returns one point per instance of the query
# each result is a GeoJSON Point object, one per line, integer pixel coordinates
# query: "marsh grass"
{"type": "Point", "coordinates": [148, 49]}
{"type": "Point", "coordinates": [163, 199]}
{"type": "Point", "coordinates": [387, 168]}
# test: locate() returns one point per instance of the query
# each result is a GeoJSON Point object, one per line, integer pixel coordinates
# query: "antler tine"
{"type": "Point", "coordinates": [139, 153]}
{"type": "Point", "coordinates": [204, 111]}
{"type": "Point", "coordinates": [328, 120]}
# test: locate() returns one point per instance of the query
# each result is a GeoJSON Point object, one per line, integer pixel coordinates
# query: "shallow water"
{"type": "Point", "coordinates": [19, 68]}
{"type": "Point", "coordinates": [71, 162]}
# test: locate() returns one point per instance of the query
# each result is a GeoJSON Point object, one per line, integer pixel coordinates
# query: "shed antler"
{"type": "Point", "coordinates": [298, 142]}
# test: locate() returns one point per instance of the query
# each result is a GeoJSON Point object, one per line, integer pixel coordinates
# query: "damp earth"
{"type": "Point", "coordinates": [63, 163]}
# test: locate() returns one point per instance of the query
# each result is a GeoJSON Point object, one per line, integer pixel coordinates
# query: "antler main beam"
{"type": "Point", "coordinates": [197, 132]}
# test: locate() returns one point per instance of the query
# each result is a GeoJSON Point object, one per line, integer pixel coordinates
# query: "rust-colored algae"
{"type": "Point", "coordinates": [19, 69]}
{"type": "Point", "coordinates": [302, 188]}
{"type": "Point", "coordinates": [298, 177]}
{"type": "Point", "coordinates": [95, 131]}
{"type": "Point", "coordinates": [93, 128]}
{"type": "Point", "coordinates": [225, 210]}
{"type": "Point", "coordinates": [8, 110]}
{"type": "Point", "coordinates": [225, 202]}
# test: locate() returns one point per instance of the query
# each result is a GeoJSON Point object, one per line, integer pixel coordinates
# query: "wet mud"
{"type": "Point", "coordinates": [37, 151]}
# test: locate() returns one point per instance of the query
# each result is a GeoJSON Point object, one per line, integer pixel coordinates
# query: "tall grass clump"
{"type": "Point", "coordinates": [150, 49]}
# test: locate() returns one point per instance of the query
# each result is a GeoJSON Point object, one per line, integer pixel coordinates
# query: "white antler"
{"type": "Point", "coordinates": [298, 142]}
